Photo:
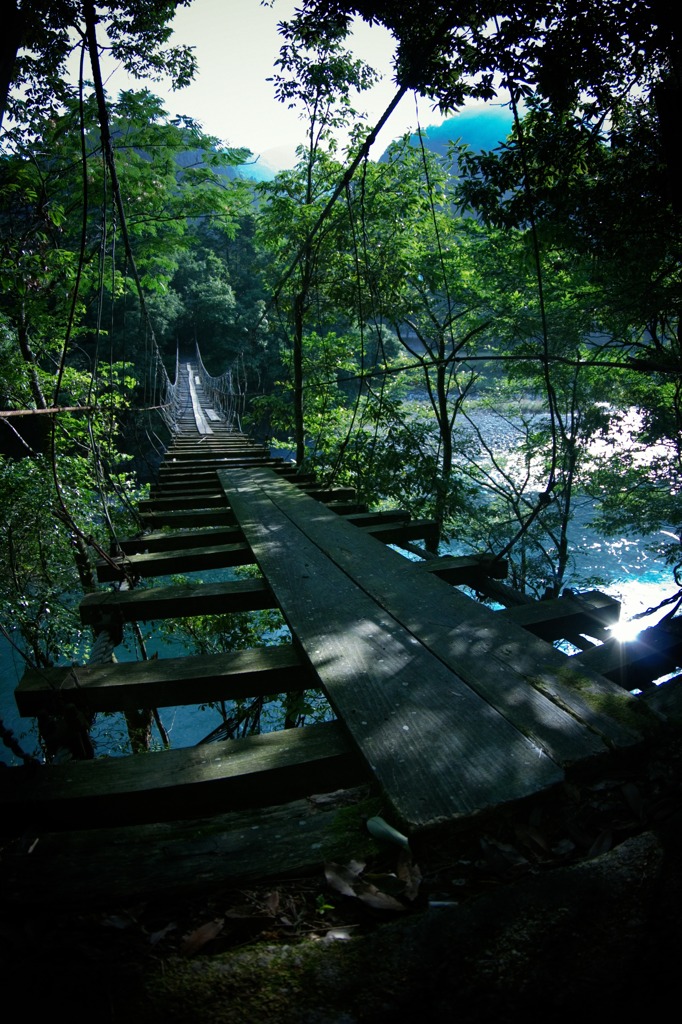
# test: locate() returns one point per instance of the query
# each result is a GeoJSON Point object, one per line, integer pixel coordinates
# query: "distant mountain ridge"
{"type": "Point", "coordinates": [481, 128]}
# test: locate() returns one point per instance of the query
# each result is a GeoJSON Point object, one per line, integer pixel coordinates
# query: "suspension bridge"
{"type": "Point", "coordinates": [444, 709]}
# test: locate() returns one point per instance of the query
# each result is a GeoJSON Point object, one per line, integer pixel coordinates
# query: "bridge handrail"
{"type": "Point", "coordinates": [226, 393]}
{"type": "Point", "coordinates": [170, 398]}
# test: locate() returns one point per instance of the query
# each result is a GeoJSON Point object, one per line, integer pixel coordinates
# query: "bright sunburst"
{"type": "Point", "coordinates": [625, 630]}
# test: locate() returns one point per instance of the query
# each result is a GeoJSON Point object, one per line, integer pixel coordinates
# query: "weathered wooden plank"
{"type": "Point", "coordinates": [203, 499]}
{"type": "Point", "coordinates": [168, 785]}
{"type": "Point", "coordinates": [634, 664]}
{"type": "Point", "coordinates": [571, 613]}
{"type": "Point", "coordinates": [503, 594]}
{"type": "Point", "coordinates": [178, 601]}
{"type": "Point", "coordinates": [192, 443]}
{"type": "Point", "coordinates": [535, 686]}
{"type": "Point", "coordinates": [389, 515]}
{"type": "Point", "coordinates": [232, 436]}
{"type": "Point", "coordinates": [174, 483]}
{"type": "Point", "coordinates": [346, 508]}
{"type": "Point", "coordinates": [163, 541]}
{"type": "Point", "coordinates": [179, 488]}
{"type": "Point", "coordinates": [226, 435]}
{"type": "Point", "coordinates": [110, 866]}
{"type": "Point", "coordinates": [465, 570]}
{"type": "Point", "coordinates": [326, 494]}
{"type": "Point", "coordinates": [176, 476]}
{"type": "Point", "coordinates": [666, 699]}
{"type": "Point", "coordinates": [201, 454]}
{"type": "Point", "coordinates": [417, 529]}
{"type": "Point", "coordinates": [165, 563]}
{"type": "Point", "coordinates": [188, 519]}
{"type": "Point", "coordinates": [300, 479]}
{"type": "Point", "coordinates": [202, 449]}
{"type": "Point", "coordinates": [604, 610]}
{"type": "Point", "coordinates": [438, 751]}
{"type": "Point", "coordinates": [188, 470]}
{"type": "Point", "coordinates": [164, 682]}
{"type": "Point", "coordinates": [231, 439]}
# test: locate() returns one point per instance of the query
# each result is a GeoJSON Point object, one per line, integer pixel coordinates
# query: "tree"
{"type": "Point", "coordinates": [41, 35]}
{"type": "Point", "coordinates": [416, 268]}
{"type": "Point", "coordinates": [57, 214]}
{"type": "Point", "coordinates": [317, 74]}
{"type": "Point", "coordinates": [62, 270]}
{"type": "Point", "coordinates": [596, 210]}
{"type": "Point", "coordinates": [597, 50]}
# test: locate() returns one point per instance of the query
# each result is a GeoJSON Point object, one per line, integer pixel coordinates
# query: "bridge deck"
{"type": "Point", "coordinates": [454, 708]}
{"type": "Point", "coordinates": [445, 708]}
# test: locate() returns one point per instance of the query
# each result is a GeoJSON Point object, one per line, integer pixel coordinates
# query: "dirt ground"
{"type": "Point", "coordinates": [569, 905]}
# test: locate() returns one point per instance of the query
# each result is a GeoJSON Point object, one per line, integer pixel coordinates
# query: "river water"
{"type": "Point", "coordinates": [633, 569]}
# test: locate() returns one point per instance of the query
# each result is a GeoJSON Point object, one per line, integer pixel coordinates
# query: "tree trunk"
{"type": "Point", "coordinates": [299, 427]}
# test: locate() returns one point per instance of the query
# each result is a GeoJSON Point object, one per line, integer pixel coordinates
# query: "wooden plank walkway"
{"type": "Point", "coordinates": [445, 708]}
{"type": "Point", "coordinates": [454, 707]}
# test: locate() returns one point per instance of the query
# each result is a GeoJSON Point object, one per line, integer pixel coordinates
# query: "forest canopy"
{"type": "Point", "coordinates": [376, 313]}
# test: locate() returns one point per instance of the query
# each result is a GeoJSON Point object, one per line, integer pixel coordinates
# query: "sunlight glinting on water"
{"type": "Point", "coordinates": [637, 596]}
{"type": "Point", "coordinates": [626, 630]}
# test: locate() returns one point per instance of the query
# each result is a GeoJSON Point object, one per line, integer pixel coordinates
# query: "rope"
{"type": "Point", "coordinates": [227, 393]}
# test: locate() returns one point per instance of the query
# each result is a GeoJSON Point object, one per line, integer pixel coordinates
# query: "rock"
{"type": "Point", "coordinates": [599, 934]}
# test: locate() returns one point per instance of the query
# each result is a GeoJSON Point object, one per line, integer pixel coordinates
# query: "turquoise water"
{"type": "Point", "coordinates": [631, 569]}
{"type": "Point", "coordinates": [184, 725]}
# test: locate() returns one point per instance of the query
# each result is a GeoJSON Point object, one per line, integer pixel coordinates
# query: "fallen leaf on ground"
{"type": "Point", "coordinates": [200, 936]}
{"type": "Point", "coordinates": [337, 934]}
{"type": "Point", "coordinates": [162, 933]}
{"type": "Point", "coordinates": [409, 874]}
{"type": "Point", "coordinates": [348, 881]}
{"type": "Point", "coordinates": [373, 897]}
{"type": "Point", "coordinates": [342, 878]}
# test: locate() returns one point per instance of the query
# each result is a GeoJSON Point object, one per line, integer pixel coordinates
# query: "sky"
{"type": "Point", "coordinates": [236, 44]}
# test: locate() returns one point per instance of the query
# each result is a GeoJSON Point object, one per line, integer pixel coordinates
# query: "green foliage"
{"type": "Point", "coordinates": [52, 240]}
{"type": "Point", "coordinates": [40, 40]}
{"type": "Point", "coordinates": [556, 308]}
{"type": "Point", "coordinates": [635, 472]}
{"type": "Point", "coordinates": [589, 50]}
{"type": "Point", "coordinates": [577, 270]}
{"type": "Point", "coordinates": [52, 510]}
{"type": "Point", "coordinates": [317, 75]}
{"type": "Point", "coordinates": [40, 584]}
{"type": "Point", "coordinates": [215, 298]}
